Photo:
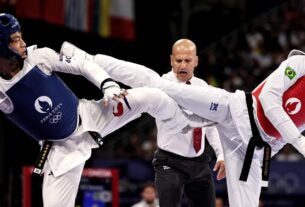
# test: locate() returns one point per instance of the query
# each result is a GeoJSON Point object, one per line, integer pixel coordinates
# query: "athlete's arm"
{"type": "Point", "coordinates": [49, 59]}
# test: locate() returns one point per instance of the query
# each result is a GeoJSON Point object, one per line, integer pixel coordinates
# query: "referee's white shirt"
{"type": "Point", "coordinates": [182, 144]}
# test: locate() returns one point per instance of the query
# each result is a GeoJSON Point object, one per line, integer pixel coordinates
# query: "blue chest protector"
{"type": "Point", "coordinates": [44, 106]}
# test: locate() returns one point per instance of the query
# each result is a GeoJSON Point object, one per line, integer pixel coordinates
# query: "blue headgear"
{"type": "Point", "coordinates": [8, 25]}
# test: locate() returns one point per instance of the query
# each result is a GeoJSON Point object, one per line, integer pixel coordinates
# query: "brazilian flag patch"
{"type": "Point", "coordinates": [290, 73]}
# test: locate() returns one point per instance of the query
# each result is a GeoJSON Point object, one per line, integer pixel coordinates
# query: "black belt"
{"type": "Point", "coordinates": [204, 157]}
{"type": "Point", "coordinates": [97, 137]}
{"type": "Point", "coordinates": [42, 157]}
{"type": "Point", "coordinates": [255, 141]}
{"type": "Point", "coordinates": [44, 152]}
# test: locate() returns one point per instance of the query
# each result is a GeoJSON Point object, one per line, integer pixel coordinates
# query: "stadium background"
{"type": "Point", "coordinates": [239, 43]}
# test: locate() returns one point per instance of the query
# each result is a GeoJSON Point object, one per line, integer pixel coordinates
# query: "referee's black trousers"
{"type": "Point", "coordinates": [175, 175]}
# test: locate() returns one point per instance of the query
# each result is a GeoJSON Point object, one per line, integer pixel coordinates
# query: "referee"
{"type": "Point", "coordinates": [180, 164]}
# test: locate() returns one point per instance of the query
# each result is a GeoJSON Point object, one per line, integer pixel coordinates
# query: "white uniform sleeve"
{"type": "Point", "coordinates": [214, 140]}
{"type": "Point", "coordinates": [48, 59]}
{"type": "Point", "coordinates": [271, 96]}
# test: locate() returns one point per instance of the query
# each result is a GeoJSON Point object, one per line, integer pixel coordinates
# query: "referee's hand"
{"type": "Point", "coordinates": [220, 167]}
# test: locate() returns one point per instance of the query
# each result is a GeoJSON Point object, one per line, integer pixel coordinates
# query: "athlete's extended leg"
{"type": "Point", "coordinates": [141, 100]}
{"type": "Point", "coordinates": [208, 102]}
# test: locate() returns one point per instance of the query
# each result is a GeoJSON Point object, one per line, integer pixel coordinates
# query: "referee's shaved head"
{"type": "Point", "coordinates": [184, 45]}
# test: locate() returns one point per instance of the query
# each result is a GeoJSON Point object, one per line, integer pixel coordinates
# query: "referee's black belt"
{"type": "Point", "coordinates": [204, 157]}
{"type": "Point", "coordinates": [255, 141]}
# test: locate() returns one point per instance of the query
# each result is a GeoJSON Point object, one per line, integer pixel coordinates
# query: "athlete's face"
{"type": "Point", "coordinates": [184, 61]}
{"type": "Point", "coordinates": [18, 45]}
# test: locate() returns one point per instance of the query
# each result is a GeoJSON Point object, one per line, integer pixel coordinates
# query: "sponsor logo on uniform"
{"type": "Point", "coordinates": [214, 106]}
{"type": "Point", "coordinates": [290, 73]}
{"type": "Point", "coordinates": [62, 58]}
{"type": "Point", "coordinates": [119, 110]}
{"type": "Point", "coordinates": [44, 105]}
{"type": "Point", "coordinates": [55, 118]}
{"type": "Point", "coordinates": [68, 59]}
{"type": "Point", "coordinates": [293, 106]}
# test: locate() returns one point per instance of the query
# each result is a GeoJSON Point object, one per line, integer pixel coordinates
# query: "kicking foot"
{"type": "Point", "coordinates": [71, 50]}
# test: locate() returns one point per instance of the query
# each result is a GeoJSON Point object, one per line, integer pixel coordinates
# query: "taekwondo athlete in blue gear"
{"type": "Point", "coordinates": [35, 99]}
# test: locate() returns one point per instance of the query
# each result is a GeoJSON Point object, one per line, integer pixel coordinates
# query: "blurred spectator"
{"type": "Point", "coordinates": [248, 55]}
{"type": "Point", "coordinates": [219, 202]}
{"type": "Point", "coordinates": [288, 153]}
{"type": "Point", "coordinates": [149, 197]}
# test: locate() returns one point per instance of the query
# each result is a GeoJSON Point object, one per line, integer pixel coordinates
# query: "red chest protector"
{"type": "Point", "coordinates": [293, 101]}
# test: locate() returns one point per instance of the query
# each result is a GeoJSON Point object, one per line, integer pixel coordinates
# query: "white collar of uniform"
{"type": "Point", "coordinates": [31, 48]}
